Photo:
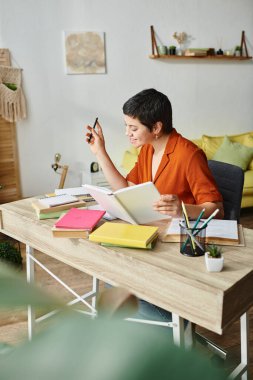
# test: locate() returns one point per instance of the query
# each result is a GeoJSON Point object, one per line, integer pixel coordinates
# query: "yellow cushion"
{"type": "Point", "coordinates": [248, 141]}
{"type": "Point", "coordinates": [248, 182]}
{"type": "Point", "coordinates": [247, 201]}
{"type": "Point", "coordinates": [211, 143]}
{"type": "Point", "coordinates": [129, 159]}
{"type": "Point", "coordinates": [198, 142]}
{"type": "Point", "coordinates": [134, 151]}
{"type": "Point", "coordinates": [234, 153]}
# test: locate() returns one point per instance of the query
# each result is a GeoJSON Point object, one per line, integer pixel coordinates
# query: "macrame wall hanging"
{"type": "Point", "coordinates": [12, 100]}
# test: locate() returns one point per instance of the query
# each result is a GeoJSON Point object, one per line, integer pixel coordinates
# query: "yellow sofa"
{"type": "Point", "coordinates": [210, 145]}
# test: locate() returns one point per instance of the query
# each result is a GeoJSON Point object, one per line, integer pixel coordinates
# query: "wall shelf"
{"type": "Point", "coordinates": [208, 57]}
{"type": "Point", "coordinates": [243, 57]}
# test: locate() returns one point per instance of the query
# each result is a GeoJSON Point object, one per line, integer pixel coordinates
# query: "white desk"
{"type": "Point", "coordinates": [161, 276]}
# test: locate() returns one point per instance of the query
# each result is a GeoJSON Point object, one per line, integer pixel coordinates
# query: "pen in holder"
{"type": "Point", "coordinates": [192, 239]}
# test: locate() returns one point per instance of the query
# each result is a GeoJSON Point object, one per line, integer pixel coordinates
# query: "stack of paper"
{"type": "Point", "coordinates": [80, 192]}
{"type": "Point", "coordinates": [125, 235]}
{"type": "Point", "coordinates": [53, 207]}
{"type": "Point", "coordinates": [58, 200]}
{"type": "Point", "coordinates": [71, 191]}
{"type": "Point", "coordinates": [77, 223]}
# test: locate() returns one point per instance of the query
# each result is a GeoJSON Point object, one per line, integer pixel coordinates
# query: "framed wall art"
{"type": "Point", "coordinates": [85, 52]}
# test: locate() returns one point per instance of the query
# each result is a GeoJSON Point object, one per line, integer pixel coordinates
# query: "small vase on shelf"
{"type": "Point", "coordinates": [180, 38]}
{"type": "Point", "coordinates": [179, 51]}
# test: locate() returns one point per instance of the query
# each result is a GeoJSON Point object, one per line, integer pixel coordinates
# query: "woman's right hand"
{"type": "Point", "coordinates": [95, 139]}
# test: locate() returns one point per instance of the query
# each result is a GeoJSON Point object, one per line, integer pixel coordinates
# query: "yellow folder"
{"type": "Point", "coordinates": [123, 234]}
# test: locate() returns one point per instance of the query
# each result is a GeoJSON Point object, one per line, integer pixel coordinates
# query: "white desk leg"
{"type": "Point", "coordinates": [30, 279]}
{"type": "Point", "coordinates": [178, 330]}
{"type": "Point", "coordinates": [242, 368]}
{"type": "Point", "coordinates": [95, 289]}
{"type": "Point", "coordinates": [244, 321]}
{"type": "Point", "coordinates": [188, 336]}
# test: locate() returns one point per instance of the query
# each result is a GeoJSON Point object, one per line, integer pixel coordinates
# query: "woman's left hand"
{"type": "Point", "coordinates": [169, 204]}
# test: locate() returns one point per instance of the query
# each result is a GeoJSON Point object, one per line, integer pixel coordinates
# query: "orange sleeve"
{"type": "Point", "coordinates": [132, 176]}
{"type": "Point", "coordinates": [201, 181]}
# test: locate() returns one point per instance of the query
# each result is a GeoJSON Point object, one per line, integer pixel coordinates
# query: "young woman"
{"type": "Point", "coordinates": [176, 166]}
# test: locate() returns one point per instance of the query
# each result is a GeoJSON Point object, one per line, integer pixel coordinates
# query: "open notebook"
{"type": "Point", "coordinates": [133, 204]}
{"type": "Point", "coordinates": [223, 232]}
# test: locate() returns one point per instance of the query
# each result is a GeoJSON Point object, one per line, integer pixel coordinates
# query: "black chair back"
{"type": "Point", "coordinates": [230, 180]}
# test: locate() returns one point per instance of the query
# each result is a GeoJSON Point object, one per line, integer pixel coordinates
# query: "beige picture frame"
{"type": "Point", "coordinates": [84, 52]}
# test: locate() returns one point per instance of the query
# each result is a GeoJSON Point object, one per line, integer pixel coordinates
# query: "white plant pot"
{"type": "Point", "coordinates": [214, 264]}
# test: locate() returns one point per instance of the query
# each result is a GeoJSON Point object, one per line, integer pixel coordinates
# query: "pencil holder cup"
{"type": "Point", "coordinates": [192, 240]}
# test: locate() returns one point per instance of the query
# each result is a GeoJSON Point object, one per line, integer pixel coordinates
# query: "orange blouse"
{"type": "Point", "coordinates": [183, 171]}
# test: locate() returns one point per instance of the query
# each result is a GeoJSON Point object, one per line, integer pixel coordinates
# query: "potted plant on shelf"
{"type": "Point", "coordinates": [214, 258]}
{"type": "Point", "coordinates": [172, 50]}
{"type": "Point", "coordinates": [237, 51]}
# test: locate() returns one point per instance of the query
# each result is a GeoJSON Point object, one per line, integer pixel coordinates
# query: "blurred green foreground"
{"type": "Point", "coordinates": [79, 348]}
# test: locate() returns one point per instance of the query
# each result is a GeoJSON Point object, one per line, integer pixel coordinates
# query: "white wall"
{"type": "Point", "coordinates": [211, 98]}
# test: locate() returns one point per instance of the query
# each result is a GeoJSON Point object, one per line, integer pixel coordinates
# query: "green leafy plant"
{"type": "Point", "coordinates": [10, 254]}
{"type": "Point", "coordinates": [11, 86]}
{"type": "Point", "coordinates": [214, 251]}
{"type": "Point", "coordinates": [172, 50]}
{"type": "Point", "coordinates": [238, 51]}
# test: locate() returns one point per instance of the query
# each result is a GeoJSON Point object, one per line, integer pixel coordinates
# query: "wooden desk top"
{"type": "Point", "coordinates": [161, 276]}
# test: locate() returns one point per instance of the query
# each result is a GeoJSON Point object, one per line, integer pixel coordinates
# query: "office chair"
{"type": "Point", "coordinates": [229, 179]}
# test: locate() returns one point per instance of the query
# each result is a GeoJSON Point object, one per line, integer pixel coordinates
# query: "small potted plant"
{"type": "Point", "coordinates": [213, 258]}
{"type": "Point", "coordinates": [237, 51]}
{"type": "Point", "coordinates": [172, 50]}
{"type": "Point", "coordinates": [219, 52]}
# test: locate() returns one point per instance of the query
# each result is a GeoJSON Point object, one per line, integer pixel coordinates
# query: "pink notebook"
{"type": "Point", "coordinates": [76, 218]}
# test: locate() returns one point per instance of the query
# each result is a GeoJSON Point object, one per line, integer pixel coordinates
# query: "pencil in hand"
{"type": "Point", "coordinates": [94, 126]}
